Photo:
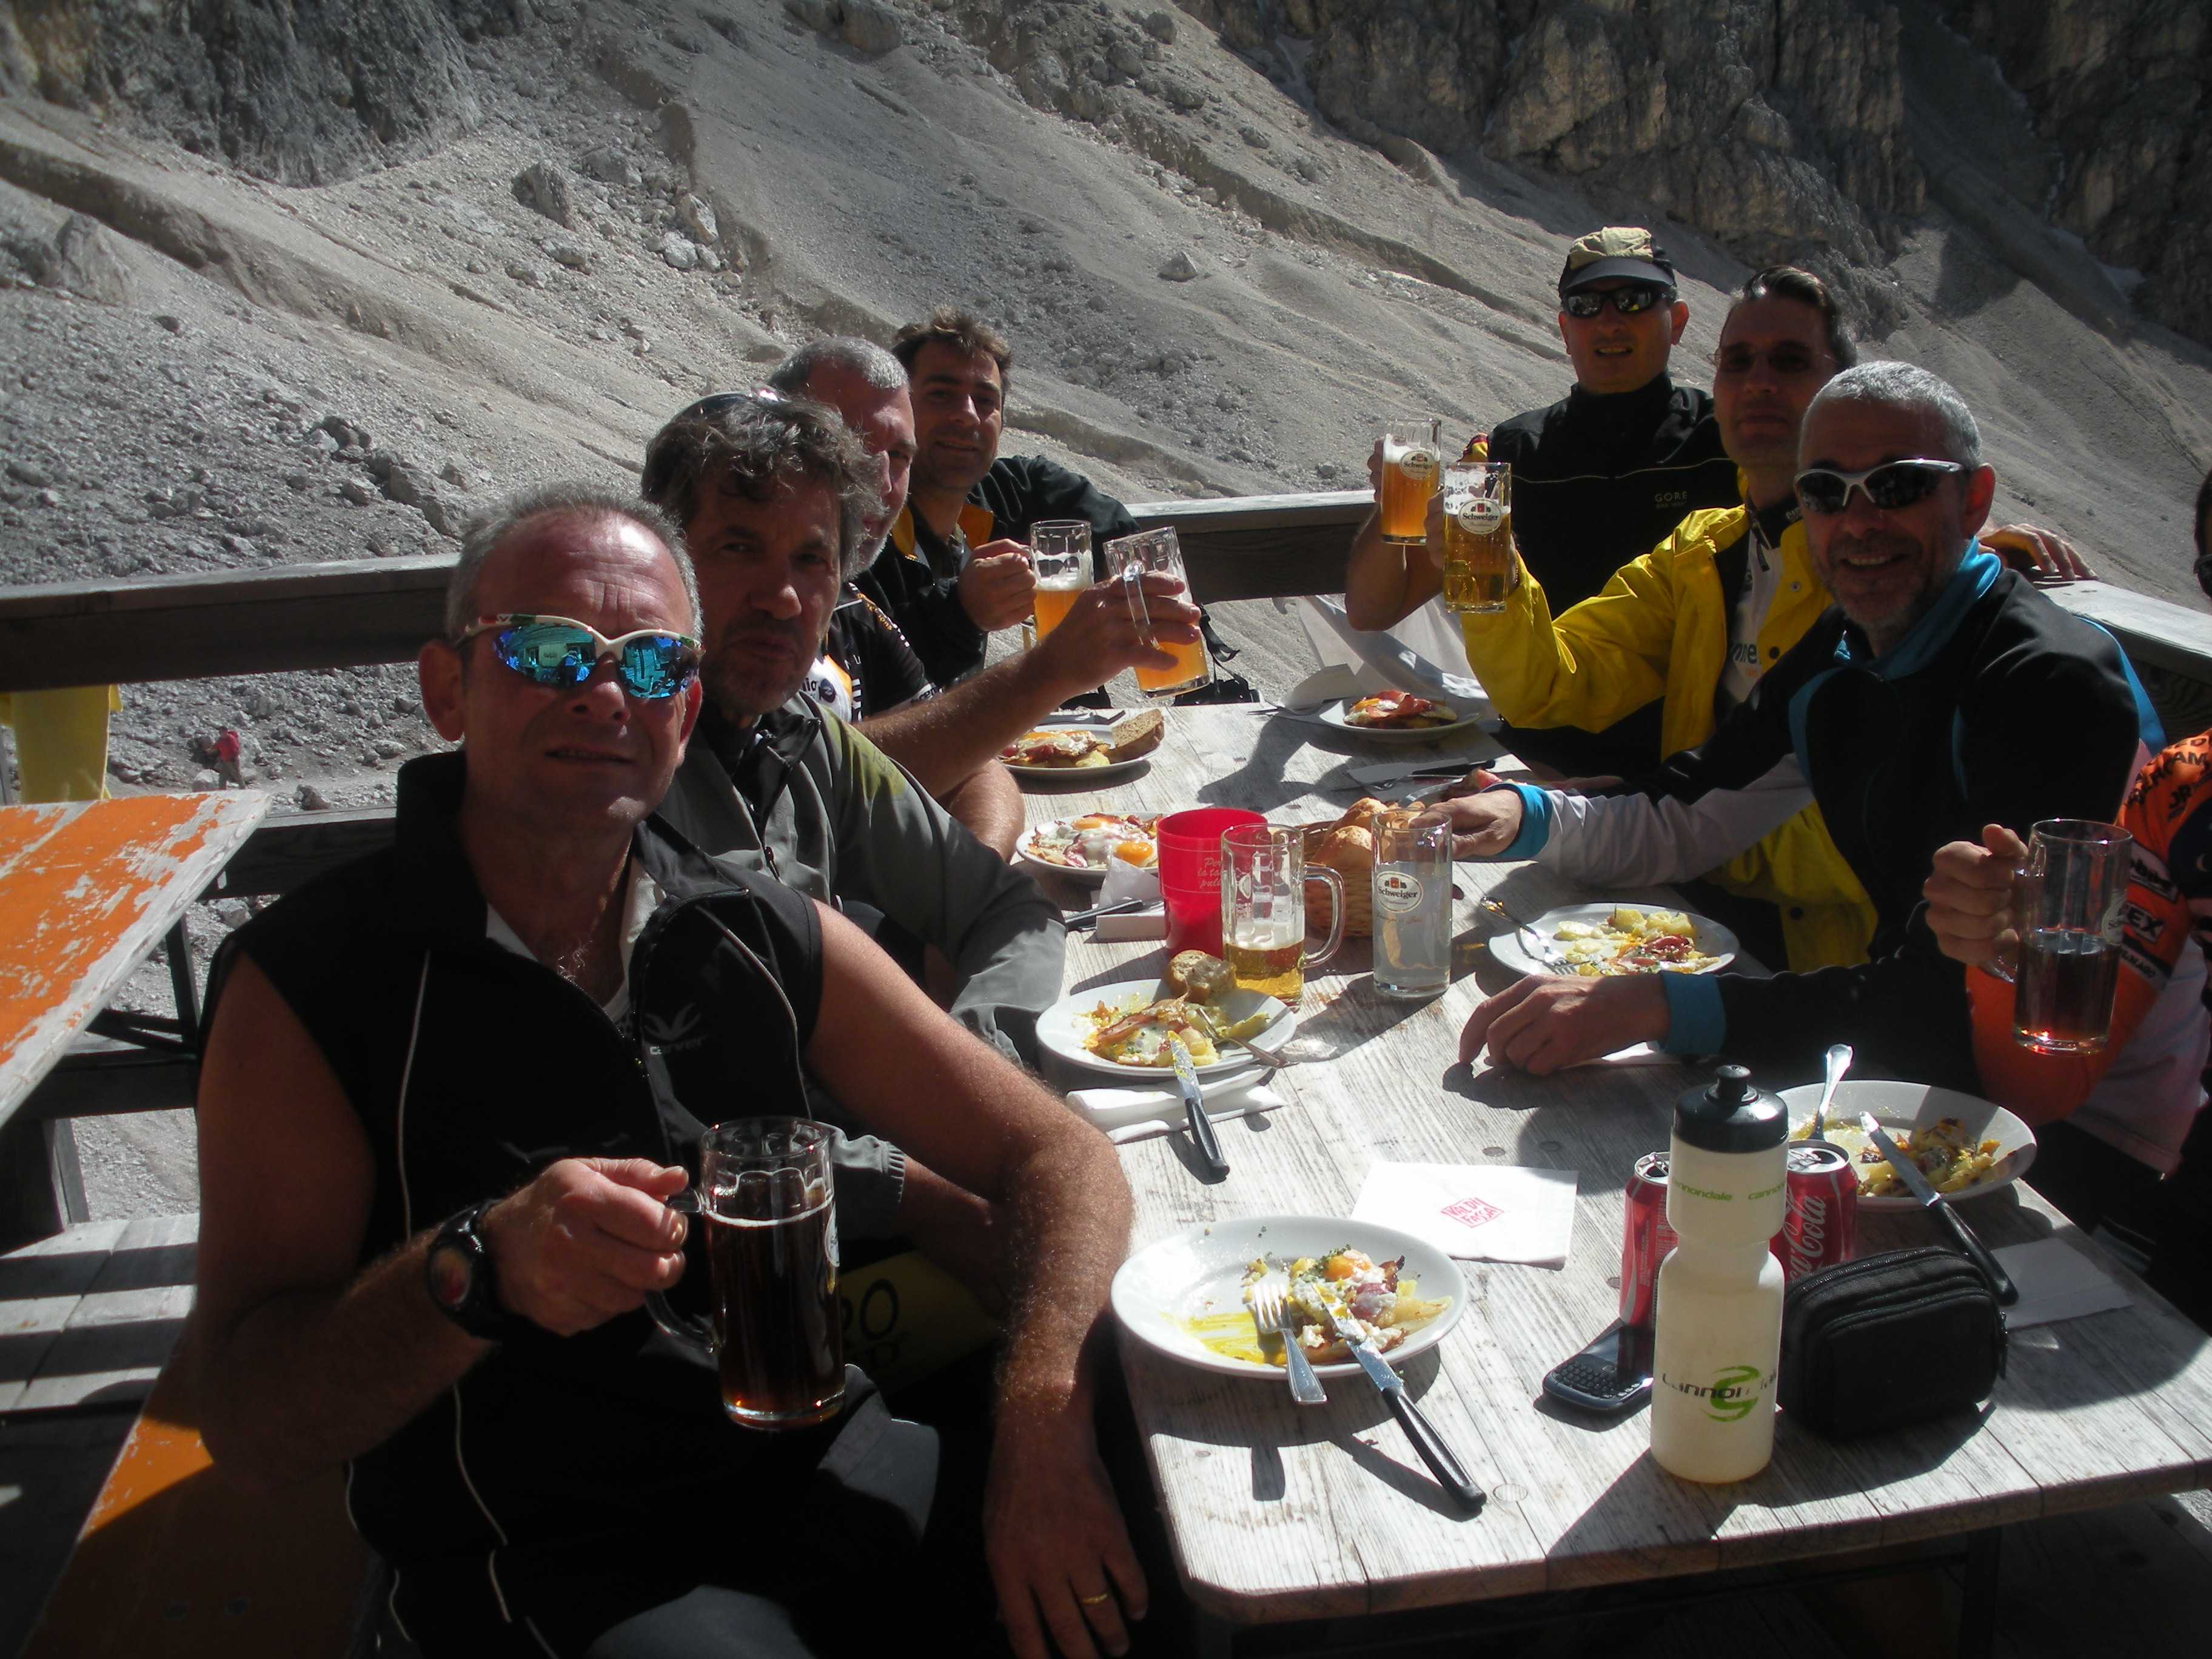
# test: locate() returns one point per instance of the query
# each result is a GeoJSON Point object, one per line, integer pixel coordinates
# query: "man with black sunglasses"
{"type": "Point", "coordinates": [448, 1090]}
{"type": "Point", "coordinates": [1599, 478]}
{"type": "Point", "coordinates": [1940, 693]}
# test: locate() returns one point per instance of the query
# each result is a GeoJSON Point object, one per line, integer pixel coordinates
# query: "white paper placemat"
{"type": "Point", "coordinates": [1475, 1212]}
{"type": "Point", "coordinates": [2055, 1281]}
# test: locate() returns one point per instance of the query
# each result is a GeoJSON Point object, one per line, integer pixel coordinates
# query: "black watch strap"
{"type": "Point", "coordinates": [463, 1279]}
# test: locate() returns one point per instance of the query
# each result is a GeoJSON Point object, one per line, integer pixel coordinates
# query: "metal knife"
{"type": "Point", "coordinates": [1086, 918]}
{"type": "Point", "coordinates": [1925, 1196]}
{"type": "Point", "coordinates": [1193, 1106]}
{"type": "Point", "coordinates": [1442, 1464]}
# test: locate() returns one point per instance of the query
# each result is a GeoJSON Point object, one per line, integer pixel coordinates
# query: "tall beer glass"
{"type": "Point", "coordinates": [1413, 451]}
{"type": "Point", "coordinates": [1478, 535]}
{"type": "Point", "coordinates": [763, 1201]}
{"type": "Point", "coordinates": [2066, 905]}
{"type": "Point", "coordinates": [1059, 557]}
{"type": "Point", "coordinates": [1263, 909]}
{"type": "Point", "coordinates": [1128, 558]}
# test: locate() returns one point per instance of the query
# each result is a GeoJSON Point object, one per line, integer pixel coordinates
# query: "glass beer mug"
{"type": "Point", "coordinates": [2067, 901]}
{"type": "Point", "coordinates": [1263, 909]}
{"type": "Point", "coordinates": [763, 1201]}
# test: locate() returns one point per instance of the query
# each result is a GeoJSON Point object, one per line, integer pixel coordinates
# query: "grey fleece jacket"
{"type": "Point", "coordinates": [804, 797]}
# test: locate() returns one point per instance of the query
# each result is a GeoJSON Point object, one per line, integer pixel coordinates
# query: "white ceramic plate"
{"type": "Point", "coordinates": [1090, 878]}
{"type": "Point", "coordinates": [1061, 1027]}
{"type": "Point", "coordinates": [1198, 1273]}
{"type": "Point", "coordinates": [1901, 1107]}
{"type": "Point", "coordinates": [1511, 949]}
{"type": "Point", "coordinates": [1333, 715]}
{"type": "Point", "coordinates": [1112, 772]}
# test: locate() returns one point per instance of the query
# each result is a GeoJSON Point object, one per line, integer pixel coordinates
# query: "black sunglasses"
{"type": "Point", "coordinates": [1889, 487]}
{"type": "Point", "coordinates": [1629, 301]}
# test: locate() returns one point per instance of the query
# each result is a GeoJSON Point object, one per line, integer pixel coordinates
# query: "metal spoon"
{"type": "Point", "coordinates": [1839, 1061]}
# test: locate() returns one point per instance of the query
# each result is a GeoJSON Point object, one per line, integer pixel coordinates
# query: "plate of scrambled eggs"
{"type": "Point", "coordinates": [1187, 1295]}
{"type": "Point", "coordinates": [1964, 1145]}
{"type": "Point", "coordinates": [1600, 941]}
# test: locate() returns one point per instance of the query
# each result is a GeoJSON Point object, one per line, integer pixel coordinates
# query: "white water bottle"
{"type": "Point", "coordinates": [1718, 1343]}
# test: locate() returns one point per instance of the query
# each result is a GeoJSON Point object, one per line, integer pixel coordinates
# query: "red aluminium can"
{"type": "Point", "coordinates": [1822, 1226]}
{"type": "Point", "coordinates": [1645, 1238]}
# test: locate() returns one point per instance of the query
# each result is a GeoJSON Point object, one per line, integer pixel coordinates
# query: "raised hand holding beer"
{"type": "Point", "coordinates": [1969, 895]}
{"type": "Point", "coordinates": [997, 589]}
{"type": "Point", "coordinates": [585, 1241]}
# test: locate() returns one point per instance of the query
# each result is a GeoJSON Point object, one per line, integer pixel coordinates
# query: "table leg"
{"type": "Point", "coordinates": [180, 984]}
{"type": "Point", "coordinates": [1211, 1637]}
{"type": "Point", "coordinates": [1977, 1610]}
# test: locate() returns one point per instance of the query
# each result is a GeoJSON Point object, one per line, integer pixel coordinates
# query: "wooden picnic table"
{"type": "Point", "coordinates": [87, 891]}
{"type": "Point", "coordinates": [1284, 1513]}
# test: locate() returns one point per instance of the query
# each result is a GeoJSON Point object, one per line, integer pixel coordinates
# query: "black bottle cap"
{"type": "Point", "coordinates": [1734, 1115]}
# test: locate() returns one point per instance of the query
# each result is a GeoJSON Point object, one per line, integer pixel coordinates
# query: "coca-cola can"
{"type": "Point", "coordinates": [1645, 1238]}
{"type": "Point", "coordinates": [1822, 1226]}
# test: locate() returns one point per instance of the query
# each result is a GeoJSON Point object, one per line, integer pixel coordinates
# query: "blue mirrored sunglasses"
{"type": "Point", "coordinates": [562, 653]}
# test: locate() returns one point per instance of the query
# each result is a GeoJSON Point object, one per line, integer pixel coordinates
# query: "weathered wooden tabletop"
{"type": "Point", "coordinates": [86, 890]}
{"type": "Point", "coordinates": [1282, 1512]}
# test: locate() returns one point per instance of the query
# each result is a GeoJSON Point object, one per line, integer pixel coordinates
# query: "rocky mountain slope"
{"type": "Point", "coordinates": [314, 281]}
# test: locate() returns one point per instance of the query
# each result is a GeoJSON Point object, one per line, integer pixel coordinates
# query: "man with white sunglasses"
{"type": "Point", "coordinates": [1940, 693]}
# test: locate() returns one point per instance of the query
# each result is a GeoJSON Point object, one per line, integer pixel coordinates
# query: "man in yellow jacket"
{"type": "Point", "coordinates": [1696, 620]}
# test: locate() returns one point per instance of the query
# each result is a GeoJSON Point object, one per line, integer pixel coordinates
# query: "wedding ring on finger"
{"type": "Point", "coordinates": [1099, 1599]}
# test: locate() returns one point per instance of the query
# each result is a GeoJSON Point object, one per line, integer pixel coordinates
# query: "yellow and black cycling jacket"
{"type": "Point", "coordinates": [1660, 627]}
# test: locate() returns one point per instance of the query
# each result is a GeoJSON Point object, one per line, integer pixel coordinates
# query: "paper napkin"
{"type": "Point", "coordinates": [1475, 1212]}
{"type": "Point", "coordinates": [2056, 1281]}
{"type": "Point", "coordinates": [1129, 1114]}
{"type": "Point", "coordinates": [1636, 1054]}
{"type": "Point", "coordinates": [1125, 881]}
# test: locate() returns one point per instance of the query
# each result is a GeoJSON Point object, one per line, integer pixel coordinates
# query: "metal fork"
{"type": "Point", "coordinates": [1536, 944]}
{"type": "Point", "coordinates": [1273, 1058]}
{"type": "Point", "coordinates": [1271, 1311]}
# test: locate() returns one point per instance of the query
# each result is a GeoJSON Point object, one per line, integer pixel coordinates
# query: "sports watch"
{"type": "Point", "coordinates": [464, 1281]}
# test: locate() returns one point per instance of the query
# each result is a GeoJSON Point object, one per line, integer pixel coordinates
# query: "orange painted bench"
{"type": "Point", "coordinates": [174, 1562]}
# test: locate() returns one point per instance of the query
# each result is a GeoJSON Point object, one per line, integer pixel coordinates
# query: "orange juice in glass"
{"type": "Point", "coordinates": [1060, 555]}
{"type": "Point", "coordinates": [1128, 558]}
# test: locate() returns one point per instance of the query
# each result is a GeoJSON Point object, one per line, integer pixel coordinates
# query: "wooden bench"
{"type": "Point", "coordinates": [172, 1559]}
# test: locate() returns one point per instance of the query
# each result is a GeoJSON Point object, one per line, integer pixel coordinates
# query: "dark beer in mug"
{"type": "Point", "coordinates": [778, 1337]}
{"type": "Point", "coordinates": [2068, 903]}
{"type": "Point", "coordinates": [2063, 1005]}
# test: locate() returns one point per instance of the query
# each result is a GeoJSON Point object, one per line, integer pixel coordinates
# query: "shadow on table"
{"type": "Point", "coordinates": [1257, 1415]}
{"type": "Point", "coordinates": [1259, 784]}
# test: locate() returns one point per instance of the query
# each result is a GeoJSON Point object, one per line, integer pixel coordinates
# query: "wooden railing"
{"type": "Point", "coordinates": [371, 611]}
{"type": "Point", "coordinates": [302, 616]}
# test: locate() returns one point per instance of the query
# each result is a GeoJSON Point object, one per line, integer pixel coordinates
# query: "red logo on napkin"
{"type": "Point", "coordinates": [1473, 1211]}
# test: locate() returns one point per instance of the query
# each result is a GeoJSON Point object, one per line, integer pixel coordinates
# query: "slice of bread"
{"type": "Point", "coordinates": [1139, 734]}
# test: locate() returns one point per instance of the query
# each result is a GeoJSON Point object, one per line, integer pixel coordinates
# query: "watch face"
{"type": "Point", "coordinates": [450, 1276]}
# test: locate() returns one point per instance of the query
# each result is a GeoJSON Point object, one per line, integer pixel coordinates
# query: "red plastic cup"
{"type": "Point", "coordinates": [1190, 873]}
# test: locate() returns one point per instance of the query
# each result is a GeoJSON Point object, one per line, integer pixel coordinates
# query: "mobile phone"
{"type": "Point", "coordinates": [1612, 1374]}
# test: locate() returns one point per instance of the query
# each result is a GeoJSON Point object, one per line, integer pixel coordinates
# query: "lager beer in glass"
{"type": "Point", "coordinates": [1263, 909]}
{"type": "Point", "coordinates": [1478, 535]}
{"type": "Point", "coordinates": [1059, 557]}
{"type": "Point", "coordinates": [1412, 454]}
{"type": "Point", "coordinates": [1128, 558]}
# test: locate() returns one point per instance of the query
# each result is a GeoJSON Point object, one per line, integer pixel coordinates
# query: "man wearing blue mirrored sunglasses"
{"type": "Point", "coordinates": [448, 1091]}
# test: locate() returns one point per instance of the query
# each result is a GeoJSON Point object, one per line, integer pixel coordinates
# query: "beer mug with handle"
{"type": "Point", "coordinates": [763, 1201]}
{"type": "Point", "coordinates": [1263, 909]}
{"type": "Point", "coordinates": [2067, 903]}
